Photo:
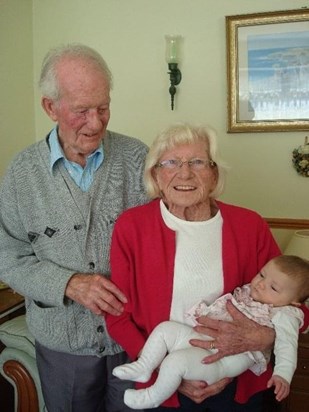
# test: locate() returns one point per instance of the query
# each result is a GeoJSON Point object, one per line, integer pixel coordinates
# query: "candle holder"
{"type": "Point", "coordinates": [172, 57]}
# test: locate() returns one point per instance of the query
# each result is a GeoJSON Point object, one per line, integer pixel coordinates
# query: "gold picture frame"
{"type": "Point", "coordinates": [268, 71]}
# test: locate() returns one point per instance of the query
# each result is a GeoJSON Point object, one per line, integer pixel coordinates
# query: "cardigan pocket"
{"type": "Point", "coordinates": [48, 326]}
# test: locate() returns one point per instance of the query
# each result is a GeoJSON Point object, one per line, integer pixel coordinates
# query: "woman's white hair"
{"type": "Point", "coordinates": [176, 135]}
{"type": "Point", "coordinates": [48, 82]}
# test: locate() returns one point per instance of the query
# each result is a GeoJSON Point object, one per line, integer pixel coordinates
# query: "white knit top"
{"type": "Point", "coordinates": [198, 270]}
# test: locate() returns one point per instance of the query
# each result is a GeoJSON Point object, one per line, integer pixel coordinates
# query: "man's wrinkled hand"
{"type": "Point", "coordinates": [96, 293]}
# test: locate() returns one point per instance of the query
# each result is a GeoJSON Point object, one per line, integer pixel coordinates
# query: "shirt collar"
{"type": "Point", "coordinates": [56, 152]}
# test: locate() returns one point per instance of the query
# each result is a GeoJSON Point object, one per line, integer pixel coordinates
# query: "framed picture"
{"type": "Point", "coordinates": [268, 71]}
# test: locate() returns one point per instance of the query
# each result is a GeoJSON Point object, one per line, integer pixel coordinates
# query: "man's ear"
{"type": "Point", "coordinates": [49, 107]}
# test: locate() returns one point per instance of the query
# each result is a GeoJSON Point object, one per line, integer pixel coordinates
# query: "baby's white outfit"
{"type": "Point", "coordinates": [185, 361]}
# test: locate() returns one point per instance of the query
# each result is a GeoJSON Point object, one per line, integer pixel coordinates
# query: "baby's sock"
{"type": "Point", "coordinates": [139, 399]}
{"type": "Point", "coordinates": [134, 371]}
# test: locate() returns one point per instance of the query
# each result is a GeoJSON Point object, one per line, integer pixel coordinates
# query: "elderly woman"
{"type": "Point", "coordinates": [184, 246]}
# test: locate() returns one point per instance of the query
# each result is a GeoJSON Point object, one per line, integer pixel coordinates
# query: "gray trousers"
{"type": "Point", "coordinates": [72, 383]}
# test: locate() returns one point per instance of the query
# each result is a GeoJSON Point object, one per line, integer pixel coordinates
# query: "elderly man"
{"type": "Point", "coordinates": [58, 204]}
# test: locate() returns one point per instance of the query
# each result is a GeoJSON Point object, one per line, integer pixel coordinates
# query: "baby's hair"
{"type": "Point", "coordinates": [296, 268]}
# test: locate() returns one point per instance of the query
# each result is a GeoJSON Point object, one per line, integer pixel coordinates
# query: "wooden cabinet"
{"type": "Point", "coordinates": [11, 304]}
{"type": "Point", "coordinates": [298, 400]}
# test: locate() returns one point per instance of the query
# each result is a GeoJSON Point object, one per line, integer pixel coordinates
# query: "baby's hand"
{"type": "Point", "coordinates": [282, 387]}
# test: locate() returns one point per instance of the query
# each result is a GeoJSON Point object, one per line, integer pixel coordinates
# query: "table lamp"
{"type": "Point", "coordinates": [299, 244]}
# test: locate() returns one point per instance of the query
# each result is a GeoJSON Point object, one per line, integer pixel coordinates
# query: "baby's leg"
{"type": "Point", "coordinates": [172, 369]}
{"type": "Point", "coordinates": [227, 367]}
{"type": "Point", "coordinates": [166, 337]}
{"type": "Point", "coordinates": [235, 365]}
{"type": "Point", "coordinates": [184, 364]}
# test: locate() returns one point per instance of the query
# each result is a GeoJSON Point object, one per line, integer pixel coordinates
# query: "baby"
{"type": "Point", "coordinates": [271, 299]}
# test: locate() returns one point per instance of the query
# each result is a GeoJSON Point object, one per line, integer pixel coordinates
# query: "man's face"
{"type": "Point", "coordinates": [82, 112]}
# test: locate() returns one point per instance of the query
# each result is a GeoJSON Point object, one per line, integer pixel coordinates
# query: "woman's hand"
{"type": "Point", "coordinates": [198, 391]}
{"type": "Point", "coordinates": [230, 338]}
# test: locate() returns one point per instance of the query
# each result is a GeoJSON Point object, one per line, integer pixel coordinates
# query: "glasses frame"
{"type": "Point", "coordinates": [175, 164]}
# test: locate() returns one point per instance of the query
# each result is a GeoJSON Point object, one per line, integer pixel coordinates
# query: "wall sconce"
{"type": "Point", "coordinates": [172, 57]}
{"type": "Point", "coordinates": [299, 244]}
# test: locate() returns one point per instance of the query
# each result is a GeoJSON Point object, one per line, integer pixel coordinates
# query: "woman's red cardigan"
{"type": "Point", "coordinates": [142, 264]}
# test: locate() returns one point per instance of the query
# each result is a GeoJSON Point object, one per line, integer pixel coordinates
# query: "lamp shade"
{"type": "Point", "coordinates": [172, 53]}
{"type": "Point", "coordinates": [299, 244]}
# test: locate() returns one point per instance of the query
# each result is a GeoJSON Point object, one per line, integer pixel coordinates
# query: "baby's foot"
{"type": "Point", "coordinates": [132, 372]}
{"type": "Point", "coordinates": [139, 399]}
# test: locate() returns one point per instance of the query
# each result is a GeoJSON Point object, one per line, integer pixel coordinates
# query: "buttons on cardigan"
{"type": "Point", "coordinates": [77, 227]}
{"type": "Point", "coordinates": [100, 330]}
{"type": "Point", "coordinates": [91, 265]}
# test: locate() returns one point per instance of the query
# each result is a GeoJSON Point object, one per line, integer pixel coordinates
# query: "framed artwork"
{"type": "Point", "coordinates": [268, 71]}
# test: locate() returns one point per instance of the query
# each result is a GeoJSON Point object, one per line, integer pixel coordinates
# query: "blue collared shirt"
{"type": "Point", "coordinates": [83, 177]}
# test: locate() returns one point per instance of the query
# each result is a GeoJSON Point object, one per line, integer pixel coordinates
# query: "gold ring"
{"type": "Point", "coordinates": [212, 345]}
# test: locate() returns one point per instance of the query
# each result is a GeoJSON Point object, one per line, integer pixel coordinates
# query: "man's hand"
{"type": "Point", "coordinates": [96, 293]}
{"type": "Point", "coordinates": [198, 391]}
{"type": "Point", "coordinates": [230, 338]}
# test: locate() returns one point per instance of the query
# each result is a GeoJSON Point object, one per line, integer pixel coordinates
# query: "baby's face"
{"type": "Point", "coordinates": [273, 286]}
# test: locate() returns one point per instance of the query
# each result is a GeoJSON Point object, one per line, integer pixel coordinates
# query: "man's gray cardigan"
{"type": "Point", "coordinates": [50, 229]}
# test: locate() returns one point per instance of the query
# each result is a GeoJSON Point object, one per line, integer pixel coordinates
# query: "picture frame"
{"type": "Point", "coordinates": [268, 71]}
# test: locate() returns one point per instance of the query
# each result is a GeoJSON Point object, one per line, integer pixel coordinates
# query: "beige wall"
{"type": "Point", "coordinates": [130, 35]}
{"type": "Point", "coordinates": [16, 78]}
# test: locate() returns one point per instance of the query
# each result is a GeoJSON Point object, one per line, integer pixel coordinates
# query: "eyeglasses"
{"type": "Point", "coordinates": [194, 164]}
